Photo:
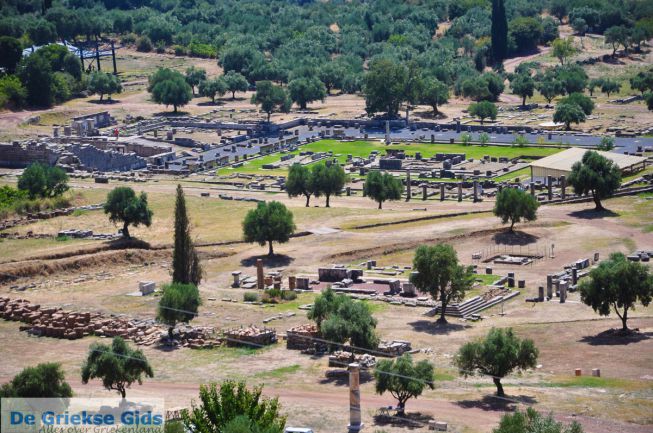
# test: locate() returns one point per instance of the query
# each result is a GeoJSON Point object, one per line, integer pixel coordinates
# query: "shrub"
{"type": "Point", "coordinates": [288, 295]}
{"type": "Point", "coordinates": [204, 51]}
{"type": "Point", "coordinates": [144, 44]}
{"type": "Point", "coordinates": [179, 50]}
{"type": "Point", "coordinates": [250, 297]}
{"type": "Point", "coordinates": [128, 39]}
{"type": "Point", "coordinates": [160, 47]}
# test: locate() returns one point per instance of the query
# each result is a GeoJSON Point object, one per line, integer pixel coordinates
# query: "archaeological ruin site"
{"type": "Point", "coordinates": [318, 217]}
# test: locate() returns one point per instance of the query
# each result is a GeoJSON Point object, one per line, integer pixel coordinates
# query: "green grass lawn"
{"type": "Point", "coordinates": [363, 148]}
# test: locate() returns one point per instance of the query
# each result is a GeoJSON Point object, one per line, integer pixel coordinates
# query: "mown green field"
{"type": "Point", "coordinates": [363, 148]}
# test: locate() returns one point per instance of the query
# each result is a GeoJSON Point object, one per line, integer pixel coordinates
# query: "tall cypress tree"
{"type": "Point", "coordinates": [499, 31]}
{"type": "Point", "coordinates": [186, 267]}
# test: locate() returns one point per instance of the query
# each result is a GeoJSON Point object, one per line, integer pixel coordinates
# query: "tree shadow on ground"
{"type": "Point", "coordinates": [269, 261]}
{"type": "Point", "coordinates": [210, 104]}
{"type": "Point", "coordinates": [105, 101]}
{"type": "Point", "coordinates": [591, 214]}
{"type": "Point", "coordinates": [434, 328]}
{"type": "Point", "coordinates": [343, 378]}
{"type": "Point", "coordinates": [170, 114]}
{"type": "Point", "coordinates": [514, 238]}
{"type": "Point", "coordinates": [616, 337]}
{"type": "Point", "coordinates": [495, 403]}
{"type": "Point", "coordinates": [411, 420]}
{"type": "Point", "coordinates": [129, 243]}
{"type": "Point", "coordinates": [428, 114]}
{"type": "Point", "coordinates": [163, 346]}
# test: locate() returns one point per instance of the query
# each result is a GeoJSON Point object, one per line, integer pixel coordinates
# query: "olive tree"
{"type": "Point", "coordinates": [381, 187]}
{"type": "Point", "coordinates": [117, 365]}
{"type": "Point", "coordinates": [267, 223]}
{"type": "Point", "coordinates": [597, 175]}
{"type": "Point", "coordinates": [403, 379]}
{"type": "Point", "coordinates": [124, 206]}
{"type": "Point", "coordinates": [617, 284]}
{"type": "Point", "coordinates": [496, 355]}
{"type": "Point", "coordinates": [439, 274]}
{"type": "Point", "coordinates": [513, 205]}
{"type": "Point", "coordinates": [179, 303]}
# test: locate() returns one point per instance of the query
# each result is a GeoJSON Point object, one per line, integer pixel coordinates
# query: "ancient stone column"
{"type": "Point", "coordinates": [540, 294]}
{"type": "Point", "coordinates": [355, 424]}
{"type": "Point", "coordinates": [549, 286]}
{"type": "Point", "coordinates": [259, 274]}
{"type": "Point", "coordinates": [387, 132]}
{"type": "Point", "coordinates": [532, 186]}
{"type": "Point", "coordinates": [563, 291]}
{"type": "Point", "coordinates": [549, 184]}
{"type": "Point", "coordinates": [442, 191]}
{"type": "Point", "coordinates": [236, 275]}
{"type": "Point", "coordinates": [408, 193]}
{"type": "Point", "coordinates": [563, 187]}
{"type": "Point", "coordinates": [348, 191]}
{"type": "Point", "coordinates": [425, 193]}
{"type": "Point", "coordinates": [55, 131]}
{"type": "Point", "coordinates": [460, 191]}
{"type": "Point", "coordinates": [292, 282]}
{"type": "Point", "coordinates": [574, 276]}
{"type": "Point", "coordinates": [476, 191]}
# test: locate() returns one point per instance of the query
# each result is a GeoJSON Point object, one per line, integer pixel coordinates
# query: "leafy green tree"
{"type": "Point", "coordinates": [170, 88]}
{"type": "Point", "coordinates": [332, 75]}
{"type": "Point", "coordinates": [484, 138]}
{"type": "Point", "coordinates": [123, 205]}
{"type": "Point", "coordinates": [235, 82]}
{"type": "Point", "coordinates": [384, 86]}
{"type": "Point", "coordinates": [585, 103]}
{"type": "Point", "coordinates": [179, 303]}
{"type": "Point", "coordinates": [403, 379]}
{"type": "Point", "coordinates": [523, 85]}
{"type": "Point", "coordinates": [526, 32]}
{"type": "Point", "coordinates": [381, 187]}
{"type": "Point", "coordinates": [549, 87]}
{"type": "Point", "coordinates": [341, 319]}
{"type": "Point", "coordinates": [514, 204]}
{"type": "Point", "coordinates": [435, 94]}
{"type": "Point", "coordinates": [440, 275]}
{"type": "Point", "coordinates": [270, 98]}
{"type": "Point", "coordinates": [40, 180]}
{"type": "Point", "coordinates": [643, 81]}
{"type": "Point", "coordinates": [497, 355]}
{"type": "Point", "coordinates": [597, 175]}
{"type": "Point", "coordinates": [638, 35]}
{"type": "Point", "coordinates": [329, 179]}
{"type": "Point", "coordinates": [36, 75]}
{"type": "Point", "coordinates": [617, 284]}
{"type": "Point", "coordinates": [606, 144]}
{"type": "Point", "coordinates": [194, 76]}
{"type": "Point", "coordinates": [532, 421]}
{"type": "Point", "coordinates": [12, 92]}
{"type": "Point", "coordinates": [483, 110]}
{"type": "Point", "coordinates": [44, 380]}
{"type": "Point", "coordinates": [243, 59]}
{"type": "Point", "coordinates": [186, 268]}
{"type": "Point", "coordinates": [580, 26]}
{"type": "Point", "coordinates": [11, 52]}
{"type": "Point", "coordinates": [267, 223]}
{"type": "Point", "coordinates": [304, 90]}
{"type": "Point", "coordinates": [617, 35]}
{"type": "Point", "coordinates": [104, 83]}
{"type": "Point", "coordinates": [117, 365]}
{"type": "Point", "coordinates": [211, 88]}
{"type": "Point", "coordinates": [42, 32]}
{"type": "Point", "coordinates": [559, 9]}
{"type": "Point", "coordinates": [648, 97]}
{"type": "Point", "coordinates": [610, 86]}
{"type": "Point", "coordinates": [568, 114]}
{"type": "Point", "coordinates": [563, 49]}
{"type": "Point", "coordinates": [220, 407]}
{"type": "Point", "coordinates": [300, 182]}
{"type": "Point", "coordinates": [593, 84]}
{"type": "Point", "coordinates": [499, 31]}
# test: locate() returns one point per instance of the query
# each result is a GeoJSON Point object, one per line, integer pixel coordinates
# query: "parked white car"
{"type": "Point", "coordinates": [298, 430]}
